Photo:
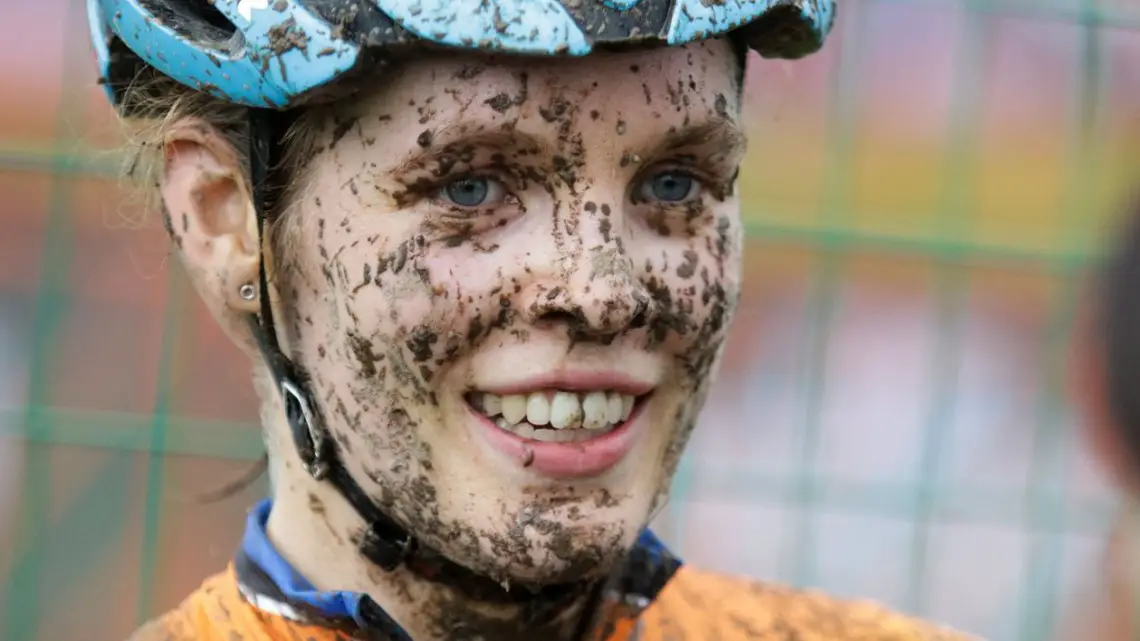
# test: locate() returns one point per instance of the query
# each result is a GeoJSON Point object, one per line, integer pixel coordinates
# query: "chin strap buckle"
{"type": "Point", "coordinates": [310, 441]}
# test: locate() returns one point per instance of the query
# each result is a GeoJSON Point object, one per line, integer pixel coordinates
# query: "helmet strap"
{"type": "Point", "coordinates": [384, 543]}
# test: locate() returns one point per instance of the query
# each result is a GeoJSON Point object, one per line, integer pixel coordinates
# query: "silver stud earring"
{"type": "Point", "coordinates": [247, 292]}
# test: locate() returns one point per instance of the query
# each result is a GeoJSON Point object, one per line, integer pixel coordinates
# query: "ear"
{"type": "Point", "coordinates": [210, 215]}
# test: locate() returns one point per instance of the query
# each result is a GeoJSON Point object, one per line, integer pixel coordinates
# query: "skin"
{"type": "Point", "coordinates": [397, 301]}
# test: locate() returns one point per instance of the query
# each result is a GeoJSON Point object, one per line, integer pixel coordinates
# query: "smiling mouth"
{"type": "Point", "coordinates": [557, 416]}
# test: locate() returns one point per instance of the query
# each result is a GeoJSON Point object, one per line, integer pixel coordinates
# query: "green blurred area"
{"type": "Point", "coordinates": [922, 200]}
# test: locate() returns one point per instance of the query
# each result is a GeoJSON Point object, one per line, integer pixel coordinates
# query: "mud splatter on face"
{"type": "Point", "coordinates": [497, 231]}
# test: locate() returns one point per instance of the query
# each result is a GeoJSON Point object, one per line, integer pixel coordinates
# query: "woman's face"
{"type": "Point", "coordinates": [510, 281]}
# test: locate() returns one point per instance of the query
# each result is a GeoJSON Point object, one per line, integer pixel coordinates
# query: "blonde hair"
{"type": "Point", "coordinates": [154, 104]}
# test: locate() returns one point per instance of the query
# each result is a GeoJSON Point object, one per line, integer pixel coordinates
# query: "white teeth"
{"type": "Point", "coordinates": [594, 409]}
{"type": "Point", "coordinates": [492, 405]}
{"type": "Point", "coordinates": [537, 409]}
{"type": "Point", "coordinates": [565, 411]}
{"type": "Point", "coordinates": [613, 407]}
{"type": "Point", "coordinates": [531, 433]}
{"type": "Point", "coordinates": [513, 407]}
{"type": "Point", "coordinates": [557, 415]}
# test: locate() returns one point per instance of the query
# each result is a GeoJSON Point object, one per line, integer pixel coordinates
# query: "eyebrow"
{"type": "Point", "coordinates": [454, 141]}
{"type": "Point", "coordinates": [463, 138]}
{"type": "Point", "coordinates": [720, 133]}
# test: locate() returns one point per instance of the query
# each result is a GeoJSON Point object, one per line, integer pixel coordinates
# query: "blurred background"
{"type": "Point", "coordinates": [923, 200]}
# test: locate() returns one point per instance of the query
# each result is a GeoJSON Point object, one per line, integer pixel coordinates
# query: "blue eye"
{"type": "Point", "coordinates": [669, 187]}
{"type": "Point", "coordinates": [473, 191]}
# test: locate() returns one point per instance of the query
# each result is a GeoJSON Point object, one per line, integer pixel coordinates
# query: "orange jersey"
{"type": "Point", "coordinates": [694, 606]}
{"type": "Point", "coordinates": [261, 597]}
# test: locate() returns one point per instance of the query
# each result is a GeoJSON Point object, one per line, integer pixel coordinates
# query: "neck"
{"type": "Point", "coordinates": [314, 529]}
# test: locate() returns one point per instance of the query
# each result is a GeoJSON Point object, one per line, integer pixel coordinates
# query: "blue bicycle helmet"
{"type": "Point", "coordinates": [278, 54]}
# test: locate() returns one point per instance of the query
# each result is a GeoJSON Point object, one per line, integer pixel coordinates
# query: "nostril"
{"type": "Point", "coordinates": [563, 316]}
{"type": "Point", "coordinates": [640, 316]}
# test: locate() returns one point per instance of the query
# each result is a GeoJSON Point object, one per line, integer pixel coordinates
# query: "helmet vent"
{"type": "Point", "coordinates": [198, 20]}
{"type": "Point", "coordinates": [785, 31]}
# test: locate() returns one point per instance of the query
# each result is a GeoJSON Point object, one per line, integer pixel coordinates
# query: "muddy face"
{"type": "Point", "coordinates": [480, 230]}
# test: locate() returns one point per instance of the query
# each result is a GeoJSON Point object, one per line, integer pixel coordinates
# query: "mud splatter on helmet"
{"type": "Point", "coordinates": [278, 54]}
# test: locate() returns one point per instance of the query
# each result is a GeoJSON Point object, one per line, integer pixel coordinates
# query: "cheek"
{"type": "Point", "coordinates": [370, 332]}
{"type": "Point", "coordinates": [706, 280]}
{"type": "Point", "coordinates": [402, 311]}
{"type": "Point", "coordinates": [695, 286]}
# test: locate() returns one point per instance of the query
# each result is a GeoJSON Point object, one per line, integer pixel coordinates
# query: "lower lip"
{"type": "Point", "coordinates": [564, 460]}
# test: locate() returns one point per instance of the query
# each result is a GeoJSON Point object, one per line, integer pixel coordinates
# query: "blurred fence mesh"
{"type": "Point", "coordinates": [921, 201]}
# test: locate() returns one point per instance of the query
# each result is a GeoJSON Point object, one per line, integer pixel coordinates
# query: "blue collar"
{"type": "Point", "coordinates": [269, 582]}
{"type": "Point", "coordinates": [287, 585]}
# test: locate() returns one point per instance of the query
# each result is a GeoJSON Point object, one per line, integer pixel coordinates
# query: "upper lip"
{"type": "Point", "coordinates": [573, 382]}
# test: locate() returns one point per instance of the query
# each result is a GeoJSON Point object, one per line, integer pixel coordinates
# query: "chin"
{"type": "Point", "coordinates": [570, 553]}
{"type": "Point", "coordinates": [555, 536]}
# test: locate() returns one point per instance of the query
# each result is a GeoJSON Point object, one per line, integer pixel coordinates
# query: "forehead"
{"type": "Point", "coordinates": [650, 89]}
{"type": "Point", "coordinates": [702, 57]}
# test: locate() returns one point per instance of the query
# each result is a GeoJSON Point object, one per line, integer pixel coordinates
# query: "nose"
{"type": "Point", "coordinates": [595, 290]}
{"type": "Point", "coordinates": [594, 307]}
